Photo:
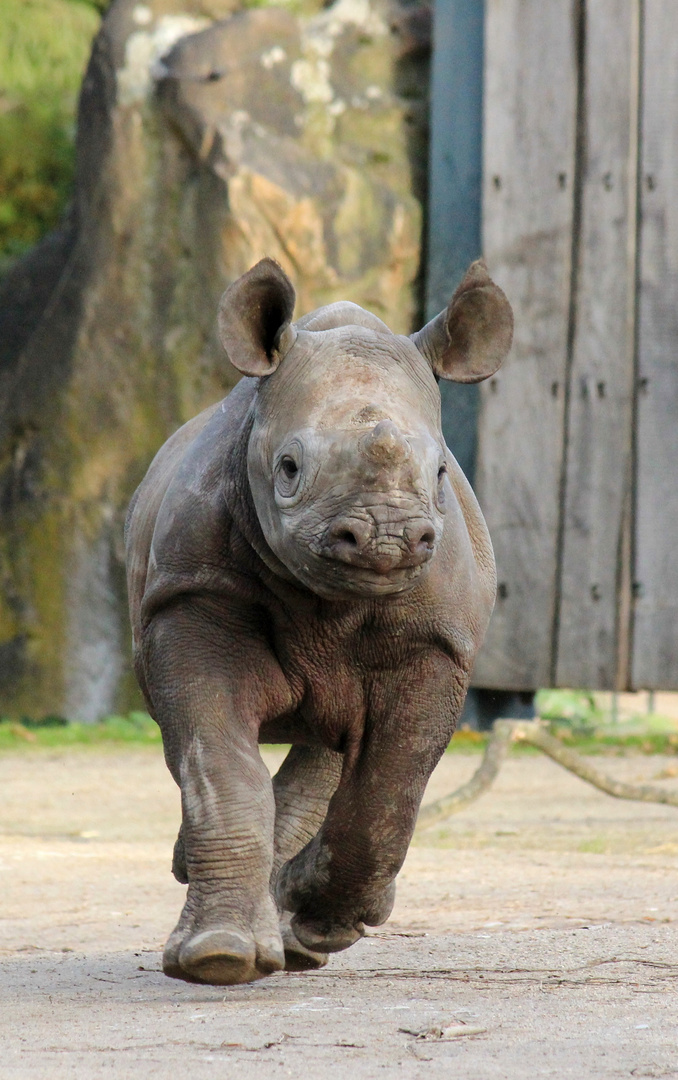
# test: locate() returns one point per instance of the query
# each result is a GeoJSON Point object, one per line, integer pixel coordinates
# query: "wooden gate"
{"type": "Point", "coordinates": [577, 439]}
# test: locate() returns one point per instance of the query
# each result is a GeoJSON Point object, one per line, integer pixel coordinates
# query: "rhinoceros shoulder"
{"type": "Point", "coordinates": [175, 515]}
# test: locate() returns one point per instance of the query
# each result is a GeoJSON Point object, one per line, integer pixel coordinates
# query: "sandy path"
{"type": "Point", "coordinates": [546, 914]}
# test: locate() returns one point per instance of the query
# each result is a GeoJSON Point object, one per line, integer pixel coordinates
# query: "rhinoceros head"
{"type": "Point", "coordinates": [346, 461]}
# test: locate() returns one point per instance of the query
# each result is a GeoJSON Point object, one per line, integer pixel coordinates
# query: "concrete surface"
{"type": "Point", "coordinates": [537, 930]}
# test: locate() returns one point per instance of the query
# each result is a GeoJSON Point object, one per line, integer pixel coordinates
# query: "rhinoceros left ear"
{"type": "Point", "coordinates": [469, 340]}
{"type": "Point", "coordinates": [254, 319]}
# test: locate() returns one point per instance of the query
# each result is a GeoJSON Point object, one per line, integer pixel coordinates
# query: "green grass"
{"type": "Point", "coordinates": [137, 728]}
{"type": "Point", "coordinates": [604, 742]}
{"type": "Point", "coordinates": [657, 735]}
{"type": "Point", "coordinates": [646, 735]}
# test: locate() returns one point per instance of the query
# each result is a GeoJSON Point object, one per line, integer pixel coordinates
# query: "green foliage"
{"type": "Point", "coordinates": [36, 170]}
{"type": "Point", "coordinates": [44, 46]}
{"type": "Point", "coordinates": [576, 708]}
{"type": "Point", "coordinates": [297, 7]}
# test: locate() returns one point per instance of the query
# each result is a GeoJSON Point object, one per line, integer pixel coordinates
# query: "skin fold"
{"type": "Point", "coordinates": [307, 564]}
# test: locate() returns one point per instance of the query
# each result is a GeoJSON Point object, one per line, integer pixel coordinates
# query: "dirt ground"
{"type": "Point", "coordinates": [538, 930]}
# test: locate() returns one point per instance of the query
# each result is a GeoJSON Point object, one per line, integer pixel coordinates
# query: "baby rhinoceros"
{"type": "Point", "coordinates": [308, 565]}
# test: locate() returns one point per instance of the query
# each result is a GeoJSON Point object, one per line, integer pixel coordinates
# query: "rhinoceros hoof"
{"type": "Point", "coordinates": [297, 956]}
{"type": "Point", "coordinates": [319, 937]}
{"type": "Point", "coordinates": [222, 957]}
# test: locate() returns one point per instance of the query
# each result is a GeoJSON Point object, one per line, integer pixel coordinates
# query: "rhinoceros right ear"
{"type": "Point", "coordinates": [469, 340]}
{"type": "Point", "coordinates": [254, 319]}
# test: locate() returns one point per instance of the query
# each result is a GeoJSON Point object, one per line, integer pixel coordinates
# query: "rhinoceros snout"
{"type": "Point", "coordinates": [357, 542]}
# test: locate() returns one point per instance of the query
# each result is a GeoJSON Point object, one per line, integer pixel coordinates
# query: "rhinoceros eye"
{"type": "Point", "coordinates": [440, 492]}
{"type": "Point", "coordinates": [289, 467]}
{"type": "Point", "coordinates": [288, 474]}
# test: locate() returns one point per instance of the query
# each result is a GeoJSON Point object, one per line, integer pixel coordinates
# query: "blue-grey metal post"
{"type": "Point", "coordinates": [455, 194]}
{"type": "Point", "coordinates": [455, 240]}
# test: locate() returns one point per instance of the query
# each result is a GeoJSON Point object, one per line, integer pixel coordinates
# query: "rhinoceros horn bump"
{"type": "Point", "coordinates": [385, 445]}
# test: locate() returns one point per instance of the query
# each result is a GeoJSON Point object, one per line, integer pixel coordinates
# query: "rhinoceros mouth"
{"type": "Point", "coordinates": [335, 577]}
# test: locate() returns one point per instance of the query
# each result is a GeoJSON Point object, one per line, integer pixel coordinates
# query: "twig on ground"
{"type": "Point", "coordinates": [533, 733]}
{"type": "Point", "coordinates": [504, 732]}
{"type": "Point", "coordinates": [484, 776]}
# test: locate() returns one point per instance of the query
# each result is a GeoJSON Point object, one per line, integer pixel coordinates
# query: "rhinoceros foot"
{"type": "Point", "coordinates": [329, 916]}
{"type": "Point", "coordinates": [297, 956]}
{"type": "Point", "coordinates": [222, 954]}
{"type": "Point", "coordinates": [319, 937]}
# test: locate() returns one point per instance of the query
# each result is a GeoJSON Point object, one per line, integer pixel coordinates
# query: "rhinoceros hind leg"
{"type": "Point", "coordinates": [302, 787]}
{"type": "Point", "coordinates": [179, 858]}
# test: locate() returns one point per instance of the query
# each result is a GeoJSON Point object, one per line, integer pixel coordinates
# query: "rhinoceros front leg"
{"type": "Point", "coordinates": [344, 877]}
{"type": "Point", "coordinates": [303, 787]}
{"type": "Point", "coordinates": [209, 695]}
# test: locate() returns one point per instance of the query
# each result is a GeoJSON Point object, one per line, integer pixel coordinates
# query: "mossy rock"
{"type": "Point", "coordinates": [107, 335]}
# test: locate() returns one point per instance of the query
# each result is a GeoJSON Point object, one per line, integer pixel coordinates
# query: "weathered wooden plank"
{"type": "Point", "coordinates": [592, 615]}
{"type": "Point", "coordinates": [655, 647]}
{"type": "Point", "coordinates": [529, 159]}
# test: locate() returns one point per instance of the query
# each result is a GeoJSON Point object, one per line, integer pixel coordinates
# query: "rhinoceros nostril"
{"type": "Point", "coordinates": [421, 541]}
{"type": "Point", "coordinates": [347, 537]}
{"type": "Point", "coordinates": [382, 549]}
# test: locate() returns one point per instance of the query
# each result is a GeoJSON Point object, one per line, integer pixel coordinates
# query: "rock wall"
{"type": "Point", "coordinates": [210, 133]}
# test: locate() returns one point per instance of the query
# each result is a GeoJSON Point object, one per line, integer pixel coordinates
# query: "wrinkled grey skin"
{"type": "Point", "coordinates": [307, 564]}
